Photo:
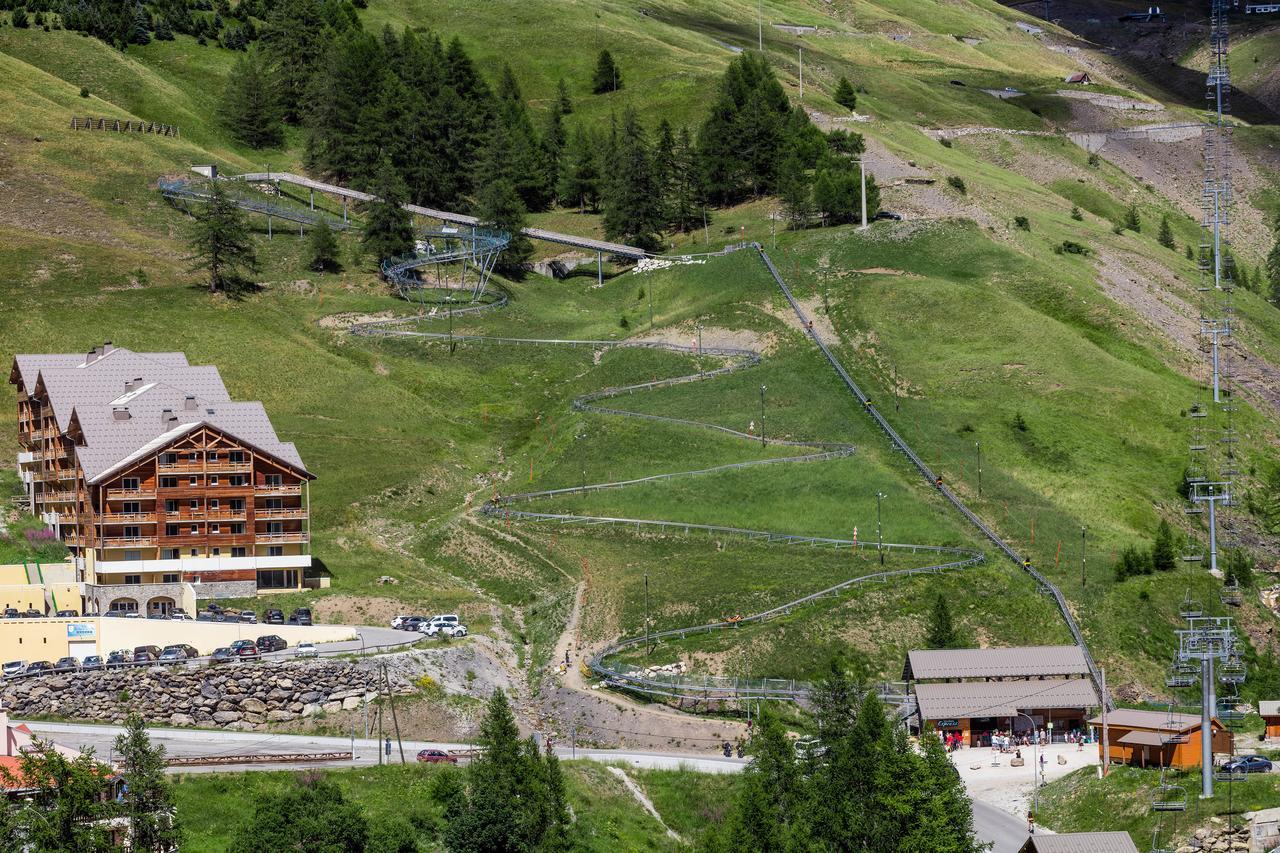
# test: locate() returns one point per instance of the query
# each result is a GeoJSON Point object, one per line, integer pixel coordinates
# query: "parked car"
{"type": "Point", "coordinates": [72, 614]}
{"type": "Point", "coordinates": [887, 214]}
{"type": "Point", "coordinates": [273, 616]}
{"type": "Point", "coordinates": [32, 613]}
{"type": "Point", "coordinates": [179, 613]}
{"type": "Point", "coordinates": [399, 620]}
{"type": "Point", "coordinates": [204, 616]}
{"type": "Point", "coordinates": [1248, 764]}
{"type": "Point", "coordinates": [12, 613]}
{"type": "Point", "coordinates": [237, 645]}
{"type": "Point", "coordinates": [146, 654]}
{"type": "Point", "coordinates": [157, 615]}
{"type": "Point", "coordinates": [271, 643]}
{"type": "Point", "coordinates": [67, 664]}
{"type": "Point", "coordinates": [177, 653]}
{"type": "Point", "coordinates": [307, 650]}
{"type": "Point", "coordinates": [247, 652]}
{"type": "Point", "coordinates": [300, 616]}
{"type": "Point", "coordinates": [412, 623]}
{"type": "Point", "coordinates": [38, 667]}
{"type": "Point", "coordinates": [14, 667]}
{"type": "Point", "coordinates": [114, 614]}
{"type": "Point", "coordinates": [92, 662]}
{"type": "Point", "coordinates": [436, 756]}
{"type": "Point", "coordinates": [132, 614]}
{"type": "Point", "coordinates": [222, 654]}
{"type": "Point", "coordinates": [122, 657]}
{"type": "Point", "coordinates": [248, 617]}
{"type": "Point", "coordinates": [448, 624]}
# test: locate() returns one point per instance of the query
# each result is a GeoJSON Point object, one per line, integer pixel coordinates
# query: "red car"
{"type": "Point", "coordinates": [436, 756]}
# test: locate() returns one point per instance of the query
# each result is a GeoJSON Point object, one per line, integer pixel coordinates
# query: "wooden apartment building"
{"type": "Point", "coordinates": [152, 474]}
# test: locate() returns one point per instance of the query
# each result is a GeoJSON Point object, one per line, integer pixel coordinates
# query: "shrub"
{"type": "Point", "coordinates": [1022, 222]}
{"type": "Point", "coordinates": [946, 143]}
{"type": "Point", "coordinates": [1133, 561]}
{"type": "Point", "coordinates": [623, 322]}
{"type": "Point", "coordinates": [19, 19]}
{"type": "Point", "coordinates": [1019, 422]}
{"type": "Point", "coordinates": [1071, 247]}
{"type": "Point", "coordinates": [957, 184]}
{"type": "Point", "coordinates": [1076, 214]}
{"type": "Point", "coordinates": [84, 91]}
{"type": "Point", "coordinates": [1093, 160]}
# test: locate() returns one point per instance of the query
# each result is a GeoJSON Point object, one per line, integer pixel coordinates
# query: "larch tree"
{"type": "Point", "coordinates": [221, 243]}
{"type": "Point", "coordinates": [607, 77]}
{"type": "Point", "coordinates": [844, 95]}
{"type": "Point", "coordinates": [148, 797]}
{"type": "Point", "coordinates": [388, 231]}
{"type": "Point", "coordinates": [250, 109]}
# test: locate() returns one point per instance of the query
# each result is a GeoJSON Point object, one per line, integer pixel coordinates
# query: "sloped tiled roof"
{"type": "Point", "coordinates": [1080, 842]}
{"type": "Point", "coordinates": [970, 699]}
{"type": "Point", "coordinates": [1133, 718]}
{"type": "Point", "coordinates": [1010, 662]}
{"type": "Point", "coordinates": [165, 398]}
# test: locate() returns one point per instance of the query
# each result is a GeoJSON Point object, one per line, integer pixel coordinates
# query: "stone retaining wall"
{"type": "Point", "coordinates": [243, 696]}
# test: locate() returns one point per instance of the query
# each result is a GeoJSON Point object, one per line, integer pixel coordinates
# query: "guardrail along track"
{"type": "Point", "coordinates": [714, 688]}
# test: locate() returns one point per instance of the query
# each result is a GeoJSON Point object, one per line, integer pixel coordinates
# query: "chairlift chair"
{"type": "Point", "coordinates": [1191, 608]}
{"type": "Point", "coordinates": [1180, 676]}
{"type": "Point", "coordinates": [1231, 593]}
{"type": "Point", "coordinates": [1169, 797]}
{"type": "Point", "coordinates": [1233, 671]}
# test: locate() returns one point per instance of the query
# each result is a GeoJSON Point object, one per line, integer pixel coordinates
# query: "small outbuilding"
{"type": "Point", "coordinates": [1080, 78]}
{"type": "Point", "coordinates": [1269, 710]}
{"type": "Point", "coordinates": [1080, 842]}
{"type": "Point", "coordinates": [1158, 738]}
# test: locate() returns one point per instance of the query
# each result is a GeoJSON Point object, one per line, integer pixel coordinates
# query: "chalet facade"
{"type": "Point", "coordinates": [152, 474]}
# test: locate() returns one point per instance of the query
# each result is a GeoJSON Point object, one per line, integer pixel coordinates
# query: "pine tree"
{"type": "Point", "coordinates": [249, 109]}
{"type": "Point", "coordinates": [164, 31]}
{"type": "Point", "coordinates": [563, 102]}
{"type": "Point", "coordinates": [140, 27]}
{"type": "Point", "coordinates": [322, 249]}
{"type": "Point", "coordinates": [1131, 220]}
{"type": "Point", "coordinates": [941, 631]}
{"type": "Point", "coordinates": [19, 18]}
{"type": "Point", "coordinates": [388, 230]}
{"type": "Point", "coordinates": [685, 209]}
{"type": "Point", "coordinates": [519, 156]}
{"type": "Point", "coordinates": [1166, 233]}
{"type": "Point", "coordinates": [148, 800]}
{"type": "Point", "coordinates": [221, 243]}
{"type": "Point", "coordinates": [1239, 565]}
{"type": "Point", "coordinates": [500, 208]}
{"type": "Point", "coordinates": [1273, 269]}
{"type": "Point", "coordinates": [295, 39]}
{"type": "Point", "coordinates": [553, 142]}
{"type": "Point", "coordinates": [1164, 556]}
{"type": "Point", "coordinates": [607, 77]}
{"type": "Point", "coordinates": [796, 192]}
{"type": "Point", "coordinates": [580, 177]}
{"type": "Point", "coordinates": [844, 95]}
{"type": "Point", "coordinates": [631, 205]}
{"type": "Point", "coordinates": [664, 166]}
{"type": "Point", "coordinates": [943, 815]}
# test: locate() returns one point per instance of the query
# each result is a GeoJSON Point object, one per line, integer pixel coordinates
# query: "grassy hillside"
{"type": "Point", "coordinates": [966, 329]}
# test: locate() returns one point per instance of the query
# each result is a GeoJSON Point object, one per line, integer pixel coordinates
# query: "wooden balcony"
{"type": "Point", "coordinates": [282, 489]}
{"type": "Point", "coordinates": [127, 518]}
{"type": "Point", "coordinates": [56, 496]}
{"type": "Point", "coordinates": [127, 494]}
{"type": "Point", "coordinates": [277, 538]}
{"type": "Point", "coordinates": [127, 542]}
{"type": "Point", "coordinates": [220, 466]}
{"type": "Point", "coordinates": [220, 540]}
{"type": "Point", "coordinates": [263, 512]}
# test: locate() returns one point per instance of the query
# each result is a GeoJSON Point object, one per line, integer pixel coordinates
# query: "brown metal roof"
{"type": "Point", "coordinates": [1080, 842]}
{"type": "Point", "coordinates": [1139, 737]}
{"type": "Point", "coordinates": [1269, 708]}
{"type": "Point", "coordinates": [969, 699]}
{"type": "Point", "coordinates": [1160, 721]}
{"type": "Point", "coordinates": [1012, 662]}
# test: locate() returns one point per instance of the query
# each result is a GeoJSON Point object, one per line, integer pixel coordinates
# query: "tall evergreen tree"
{"type": "Point", "coordinates": [515, 152]}
{"type": "Point", "coordinates": [563, 102]}
{"type": "Point", "coordinates": [1166, 233]}
{"type": "Point", "coordinates": [1164, 557]}
{"type": "Point", "coordinates": [500, 208]}
{"type": "Point", "coordinates": [580, 177]}
{"type": "Point", "coordinates": [1273, 267]}
{"type": "Point", "coordinates": [554, 140]}
{"type": "Point", "coordinates": [944, 816]}
{"type": "Point", "coordinates": [388, 230]}
{"type": "Point", "coordinates": [631, 206]}
{"type": "Point", "coordinates": [148, 799]}
{"type": "Point", "coordinates": [685, 208]}
{"type": "Point", "coordinates": [249, 108]}
{"type": "Point", "coordinates": [322, 249]}
{"type": "Point", "coordinates": [664, 166]}
{"type": "Point", "coordinates": [346, 96]}
{"type": "Point", "coordinates": [607, 77]}
{"type": "Point", "coordinates": [295, 39]}
{"type": "Point", "coordinates": [844, 95]}
{"type": "Point", "coordinates": [1131, 219]}
{"type": "Point", "coordinates": [796, 192]}
{"type": "Point", "coordinates": [941, 632]}
{"type": "Point", "coordinates": [221, 243]}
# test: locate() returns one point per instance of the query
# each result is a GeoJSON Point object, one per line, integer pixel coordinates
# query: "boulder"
{"type": "Point", "coordinates": [208, 691]}
{"type": "Point", "coordinates": [351, 703]}
{"type": "Point", "coordinates": [181, 720]}
{"type": "Point", "coordinates": [310, 710]}
{"type": "Point", "coordinates": [223, 717]}
{"type": "Point", "coordinates": [253, 706]}
{"type": "Point", "coordinates": [279, 716]}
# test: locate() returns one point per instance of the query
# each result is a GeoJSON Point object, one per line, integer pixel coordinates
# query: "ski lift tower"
{"type": "Point", "coordinates": [1208, 649]}
{"type": "Point", "coordinates": [1209, 495]}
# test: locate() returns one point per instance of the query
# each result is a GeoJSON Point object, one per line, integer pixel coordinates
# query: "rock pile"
{"type": "Point", "coordinates": [677, 668]}
{"type": "Point", "coordinates": [242, 697]}
{"type": "Point", "coordinates": [1218, 838]}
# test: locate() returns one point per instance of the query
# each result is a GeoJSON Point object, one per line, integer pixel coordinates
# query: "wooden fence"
{"type": "Point", "coordinates": [127, 126]}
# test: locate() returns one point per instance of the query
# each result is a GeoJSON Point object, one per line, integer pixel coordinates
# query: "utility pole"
{"type": "Point", "coordinates": [802, 73]}
{"type": "Point", "coordinates": [648, 642]}
{"type": "Point", "coordinates": [649, 292]}
{"type": "Point", "coordinates": [760, 28]}
{"type": "Point", "coordinates": [977, 445]}
{"type": "Point", "coordinates": [699, 327]}
{"type": "Point", "coordinates": [762, 438]}
{"type": "Point", "coordinates": [1083, 533]}
{"type": "Point", "coordinates": [1106, 745]}
{"type": "Point", "coordinates": [879, 529]}
{"type": "Point", "coordinates": [862, 168]}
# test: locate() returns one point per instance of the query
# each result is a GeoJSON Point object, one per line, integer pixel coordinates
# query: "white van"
{"type": "Point", "coordinates": [447, 623]}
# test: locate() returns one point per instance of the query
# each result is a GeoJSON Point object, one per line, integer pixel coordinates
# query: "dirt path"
{"type": "Point", "coordinates": [643, 800]}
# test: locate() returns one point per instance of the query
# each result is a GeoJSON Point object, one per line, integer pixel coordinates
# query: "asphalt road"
{"type": "Point", "coordinates": [1006, 832]}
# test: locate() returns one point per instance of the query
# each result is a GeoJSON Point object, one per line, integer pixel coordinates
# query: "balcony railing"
{"type": "Point", "coordinates": [201, 515]}
{"type": "Point", "coordinates": [280, 489]}
{"type": "Point", "coordinates": [126, 541]}
{"type": "Point", "coordinates": [214, 467]}
{"type": "Point", "coordinates": [128, 518]}
{"type": "Point", "coordinates": [54, 496]}
{"type": "Point", "coordinates": [131, 493]}
{"type": "Point", "coordinates": [279, 512]}
{"type": "Point", "coordinates": [292, 536]}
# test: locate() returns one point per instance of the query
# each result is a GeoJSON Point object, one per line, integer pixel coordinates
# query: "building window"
{"type": "Point", "coordinates": [168, 482]}
{"type": "Point", "coordinates": [237, 456]}
{"type": "Point", "coordinates": [271, 480]}
{"type": "Point", "coordinates": [133, 555]}
{"type": "Point", "coordinates": [275, 503]}
{"type": "Point", "coordinates": [168, 458]}
{"type": "Point", "coordinates": [193, 480]}
{"type": "Point", "coordinates": [275, 551]}
{"type": "Point", "coordinates": [215, 528]}
{"type": "Point", "coordinates": [132, 531]}
{"type": "Point", "coordinates": [237, 528]}
{"type": "Point", "coordinates": [168, 553]}
{"type": "Point", "coordinates": [170, 506]}
{"type": "Point", "coordinates": [172, 530]}
{"type": "Point", "coordinates": [195, 529]}
{"type": "Point", "coordinates": [237, 551]}
{"type": "Point", "coordinates": [213, 479]}
{"type": "Point", "coordinates": [132, 507]}
{"type": "Point", "coordinates": [195, 552]}
{"type": "Point", "coordinates": [217, 552]}
{"type": "Point", "coordinates": [171, 577]}
{"type": "Point", "coordinates": [193, 456]}
{"type": "Point", "coordinates": [131, 484]}
{"type": "Point", "coordinates": [238, 480]}
{"type": "Point", "coordinates": [213, 503]}
{"type": "Point", "coordinates": [133, 579]}
{"type": "Point", "coordinates": [237, 505]}
{"type": "Point", "coordinates": [213, 456]}
{"type": "Point", "coordinates": [278, 579]}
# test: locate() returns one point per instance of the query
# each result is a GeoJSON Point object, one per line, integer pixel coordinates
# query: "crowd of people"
{"type": "Point", "coordinates": [1008, 740]}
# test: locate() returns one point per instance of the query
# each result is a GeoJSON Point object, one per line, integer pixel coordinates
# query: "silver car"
{"type": "Point", "coordinates": [14, 667]}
